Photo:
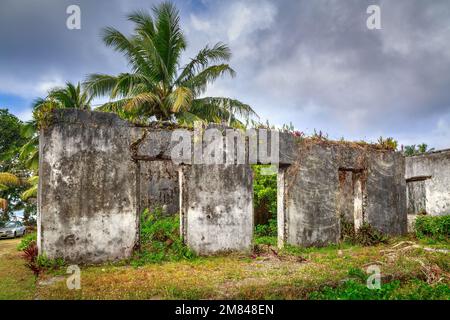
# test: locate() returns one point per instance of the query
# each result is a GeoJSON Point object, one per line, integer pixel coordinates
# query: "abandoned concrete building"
{"type": "Point", "coordinates": [98, 172]}
{"type": "Point", "coordinates": [428, 184]}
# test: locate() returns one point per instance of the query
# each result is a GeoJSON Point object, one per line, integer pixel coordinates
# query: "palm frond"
{"type": "Point", "coordinates": [188, 118]}
{"type": "Point", "coordinates": [221, 109]}
{"type": "Point", "coordinates": [114, 38]}
{"type": "Point", "coordinates": [218, 53]}
{"type": "Point", "coordinates": [29, 129]}
{"type": "Point", "coordinates": [100, 84]}
{"type": "Point", "coordinates": [33, 190]}
{"type": "Point", "coordinates": [199, 82]}
{"type": "Point", "coordinates": [169, 39]}
{"type": "Point", "coordinates": [8, 179]}
{"type": "Point", "coordinates": [113, 106]}
{"type": "Point", "coordinates": [180, 99]}
{"type": "Point", "coordinates": [28, 148]}
{"type": "Point", "coordinates": [144, 22]}
{"type": "Point", "coordinates": [138, 102]}
{"type": "Point", "coordinates": [29, 193]}
{"type": "Point", "coordinates": [32, 162]}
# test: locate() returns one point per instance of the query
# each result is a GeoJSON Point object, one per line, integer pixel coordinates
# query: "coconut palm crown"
{"type": "Point", "coordinates": [157, 86]}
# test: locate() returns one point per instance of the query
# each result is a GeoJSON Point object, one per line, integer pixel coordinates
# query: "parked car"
{"type": "Point", "coordinates": [12, 229]}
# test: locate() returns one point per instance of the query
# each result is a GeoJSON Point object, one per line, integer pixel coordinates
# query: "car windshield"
{"type": "Point", "coordinates": [10, 224]}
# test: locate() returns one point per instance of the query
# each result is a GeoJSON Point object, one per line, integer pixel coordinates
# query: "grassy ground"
{"type": "Point", "coordinates": [289, 274]}
{"type": "Point", "coordinates": [16, 280]}
{"type": "Point", "coordinates": [408, 270]}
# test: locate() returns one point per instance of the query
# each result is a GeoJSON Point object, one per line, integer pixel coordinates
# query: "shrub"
{"type": "Point", "coordinates": [26, 240]}
{"type": "Point", "coordinates": [160, 239]}
{"type": "Point", "coordinates": [265, 201]}
{"type": "Point", "coordinates": [369, 236]}
{"type": "Point", "coordinates": [44, 263]}
{"type": "Point", "coordinates": [388, 143]}
{"type": "Point", "coordinates": [437, 227]}
{"type": "Point", "coordinates": [267, 230]}
{"type": "Point", "coordinates": [37, 263]}
{"type": "Point", "coordinates": [30, 254]}
{"type": "Point", "coordinates": [348, 233]}
{"type": "Point", "coordinates": [366, 235]}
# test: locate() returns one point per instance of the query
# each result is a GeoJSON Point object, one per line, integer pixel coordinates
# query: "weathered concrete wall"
{"type": "Point", "coordinates": [428, 182]}
{"type": "Point", "coordinates": [97, 174]}
{"type": "Point", "coordinates": [315, 190]}
{"type": "Point", "coordinates": [159, 187]}
{"type": "Point", "coordinates": [87, 193]}
{"type": "Point", "coordinates": [216, 204]}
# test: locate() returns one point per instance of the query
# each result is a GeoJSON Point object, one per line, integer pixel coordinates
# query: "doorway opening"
{"type": "Point", "coordinates": [265, 204]}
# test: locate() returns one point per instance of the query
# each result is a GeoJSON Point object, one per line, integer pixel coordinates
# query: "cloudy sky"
{"type": "Point", "coordinates": [312, 63]}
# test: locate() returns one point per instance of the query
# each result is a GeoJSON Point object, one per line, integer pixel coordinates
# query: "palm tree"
{"type": "Point", "coordinates": [413, 150]}
{"type": "Point", "coordinates": [70, 96]}
{"type": "Point", "coordinates": [157, 86]}
{"type": "Point", "coordinates": [423, 148]}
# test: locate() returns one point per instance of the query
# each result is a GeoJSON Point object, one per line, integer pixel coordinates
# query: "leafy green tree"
{"type": "Point", "coordinates": [11, 167]}
{"type": "Point", "coordinates": [265, 201]}
{"type": "Point", "coordinates": [157, 86]}
{"type": "Point", "coordinates": [10, 139]}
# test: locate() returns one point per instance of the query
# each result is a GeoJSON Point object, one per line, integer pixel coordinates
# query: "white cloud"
{"type": "Point", "coordinates": [24, 114]}
{"type": "Point", "coordinates": [30, 88]}
{"type": "Point", "coordinates": [314, 63]}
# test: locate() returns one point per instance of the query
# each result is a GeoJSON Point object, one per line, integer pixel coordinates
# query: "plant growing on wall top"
{"type": "Point", "coordinates": [157, 86]}
{"type": "Point", "coordinates": [413, 150]}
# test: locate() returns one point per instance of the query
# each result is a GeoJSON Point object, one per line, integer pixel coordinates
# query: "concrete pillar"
{"type": "Point", "coordinates": [87, 208]}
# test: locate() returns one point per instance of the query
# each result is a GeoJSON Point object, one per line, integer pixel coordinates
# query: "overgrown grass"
{"type": "Point", "coordinates": [434, 227]}
{"type": "Point", "coordinates": [16, 280]}
{"type": "Point", "coordinates": [160, 239]}
{"type": "Point", "coordinates": [290, 273]}
{"type": "Point", "coordinates": [414, 289]}
{"type": "Point", "coordinates": [265, 240]}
